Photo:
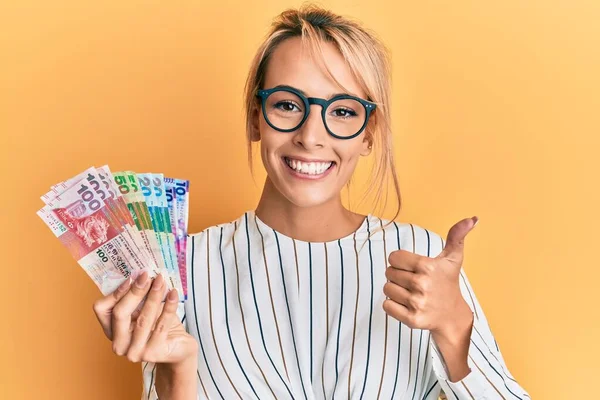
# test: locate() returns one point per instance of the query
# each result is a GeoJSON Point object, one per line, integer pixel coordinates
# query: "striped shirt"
{"type": "Point", "coordinates": [279, 318]}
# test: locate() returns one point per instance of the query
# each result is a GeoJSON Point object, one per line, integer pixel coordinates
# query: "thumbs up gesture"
{"type": "Point", "coordinates": [424, 292]}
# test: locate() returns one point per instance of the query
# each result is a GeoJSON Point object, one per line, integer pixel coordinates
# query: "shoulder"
{"type": "Point", "coordinates": [406, 236]}
{"type": "Point", "coordinates": [225, 227]}
{"type": "Point", "coordinates": [213, 242]}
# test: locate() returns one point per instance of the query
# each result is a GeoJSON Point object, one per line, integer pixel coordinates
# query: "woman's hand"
{"type": "Point", "coordinates": [424, 292]}
{"type": "Point", "coordinates": [152, 334]}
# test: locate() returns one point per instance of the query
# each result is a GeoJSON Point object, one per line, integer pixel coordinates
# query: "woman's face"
{"type": "Point", "coordinates": [284, 153]}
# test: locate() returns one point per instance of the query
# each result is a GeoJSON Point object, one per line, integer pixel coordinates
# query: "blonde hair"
{"type": "Point", "coordinates": [368, 59]}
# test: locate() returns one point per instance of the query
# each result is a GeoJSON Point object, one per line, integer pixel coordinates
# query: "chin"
{"type": "Point", "coordinates": [307, 200]}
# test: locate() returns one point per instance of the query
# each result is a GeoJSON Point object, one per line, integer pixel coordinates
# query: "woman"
{"type": "Point", "coordinates": [302, 298]}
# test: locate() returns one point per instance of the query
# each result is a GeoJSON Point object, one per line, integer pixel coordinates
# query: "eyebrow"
{"type": "Point", "coordinates": [306, 95]}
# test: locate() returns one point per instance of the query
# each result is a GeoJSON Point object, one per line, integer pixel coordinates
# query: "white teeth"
{"type": "Point", "coordinates": [311, 168]}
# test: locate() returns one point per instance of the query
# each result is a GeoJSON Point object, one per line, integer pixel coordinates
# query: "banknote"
{"type": "Point", "coordinates": [60, 187]}
{"type": "Point", "coordinates": [172, 208]}
{"type": "Point", "coordinates": [151, 191]}
{"type": "Point", "coordinates": [129, 187]}
{"type": "Point", "coordinates": [106, 272]}
{"type": "Point", "coordinates": [162, 208]}
{"type": "Point", "coordinates": [179, 189]}
{"type": "Point", "coordinates": [93, 235]}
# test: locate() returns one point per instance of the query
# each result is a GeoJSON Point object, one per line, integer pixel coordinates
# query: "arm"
{"type": "Point", "coordinates": [177, 383]}
{"type": "Point", "coordinates": [453, 344]}
{"type": "Point", "coordinates": [433, 293]}
{"type": "Point", "coordinates": [165, 381]}
{"type": "Point", "coordinates": [485, 374]}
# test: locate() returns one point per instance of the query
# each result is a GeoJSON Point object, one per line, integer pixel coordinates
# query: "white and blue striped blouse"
{"type": "Point", "coordinates": [279, 318]}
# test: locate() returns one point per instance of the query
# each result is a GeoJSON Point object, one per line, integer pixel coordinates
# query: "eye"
{"type": "Point", "coordinates": [287, 106]}
{"type": "Point", "coordinates": [343, 112]}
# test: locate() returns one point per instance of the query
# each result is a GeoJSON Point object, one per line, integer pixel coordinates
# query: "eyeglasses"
{"type": "Point", "coordinates": [285, 109]}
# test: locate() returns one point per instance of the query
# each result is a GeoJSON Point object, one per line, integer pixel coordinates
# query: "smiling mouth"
{"type": "Point", "coordinates": [308, 168]}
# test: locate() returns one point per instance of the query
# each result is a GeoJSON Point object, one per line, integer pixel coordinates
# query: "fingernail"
{"type": "Point", "coordinates": [476, 221]}
{"type": "Point", "coordinates": [172, 296]}
{"type": "Point", "coordinates": [141, 280]}
{"type": "Point", "coordinates": [125, 285]}
{"type": "Point", "coordinates": [158, 282]}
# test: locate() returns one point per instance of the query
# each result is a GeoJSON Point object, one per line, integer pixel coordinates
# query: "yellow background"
{"type": "Point", "coordinates": [496, 107]}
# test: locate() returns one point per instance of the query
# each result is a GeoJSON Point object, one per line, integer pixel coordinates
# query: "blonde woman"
{"type": "Point", "coordinates": [303, 298]}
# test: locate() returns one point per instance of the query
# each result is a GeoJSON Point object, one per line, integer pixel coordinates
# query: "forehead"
{"type": "Point", "coordinates": [292, 64]}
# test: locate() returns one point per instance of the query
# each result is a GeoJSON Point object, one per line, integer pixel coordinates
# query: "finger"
{"type": "Point", "coordinates": [402, 259]}
{"type": "Point", "coordinates": [121, 316]}
{"type": "Point", "coordinates": [455, 241]}
{"type": "Point", "coordinates": [161, 330]}
{"type": "Point", "coordinates": [103, 307]}
{"type": "Point", "coordinates": [136, 314]}
{"type": "Point", "coordinates": [402, 278]}
{"type": "Point", "coordinates": [145, 321]}
{"type": "Point", "coordinates": [397, 293]}
{"type": "Point", "coordinates": [397, 311]}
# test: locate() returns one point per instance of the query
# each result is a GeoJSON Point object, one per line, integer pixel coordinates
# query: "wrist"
{"type": "Point", "coordinates": [457, 328]}
{"type": "Point", "coordinates": [177, 381]}
{"type": "Point", "coordinates": [186, 367]}
{"type": "Point", "coordinates": [453, 341]}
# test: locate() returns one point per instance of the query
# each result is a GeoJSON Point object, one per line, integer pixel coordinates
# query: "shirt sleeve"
{"type": "Point", "coordinates": [489, 377]}
{"type": "Point", "coordinates": [149, 369]}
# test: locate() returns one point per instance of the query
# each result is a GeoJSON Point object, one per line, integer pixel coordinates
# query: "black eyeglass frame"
{"type": "Point", "coordinates": [308, 101]}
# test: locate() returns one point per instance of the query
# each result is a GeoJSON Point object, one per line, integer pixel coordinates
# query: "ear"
{"type": "Point", "coordinates": [367, 144]}
{"type": "Point", "coordinates": [255, 124]}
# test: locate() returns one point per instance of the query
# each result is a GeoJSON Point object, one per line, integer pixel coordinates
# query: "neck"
{"type": "Point", "coordinates": [321, 223]}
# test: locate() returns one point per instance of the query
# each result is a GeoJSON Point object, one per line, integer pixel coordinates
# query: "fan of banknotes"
{"type": "Point", "coordinates": [118, 224]}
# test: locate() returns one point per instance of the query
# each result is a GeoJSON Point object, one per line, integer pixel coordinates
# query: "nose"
{"type": "Point", "coordinates": [312, 133]}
